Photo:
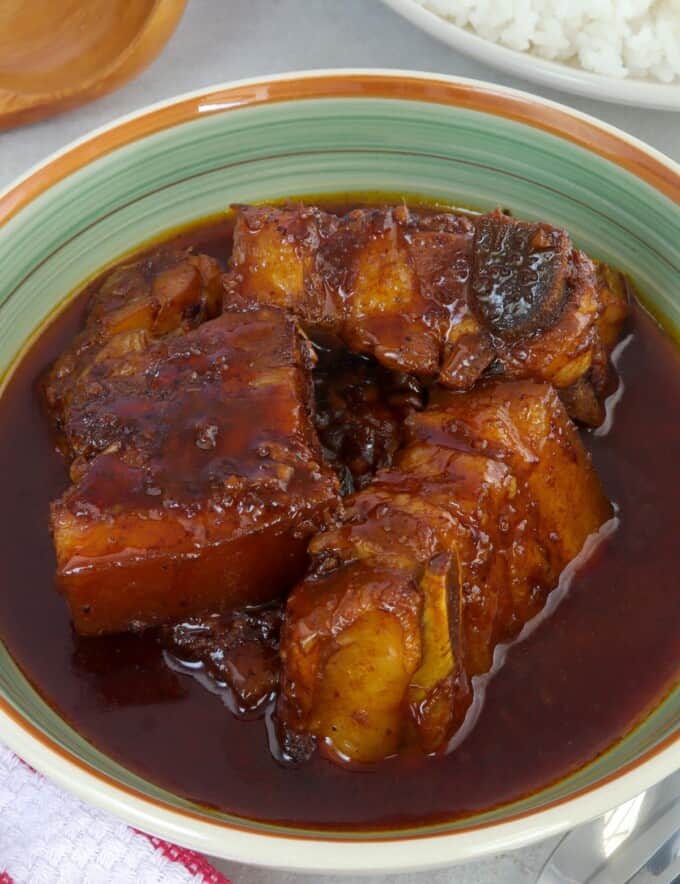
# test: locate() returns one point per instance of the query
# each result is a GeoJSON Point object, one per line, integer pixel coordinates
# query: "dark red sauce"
{"type": "Point", "coordinates": [603, 660]}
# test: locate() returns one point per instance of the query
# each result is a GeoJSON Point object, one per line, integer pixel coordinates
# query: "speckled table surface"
{"type": "Point", "coordinates": [218, 41]}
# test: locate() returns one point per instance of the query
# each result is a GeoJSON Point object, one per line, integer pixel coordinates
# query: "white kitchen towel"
{"type": "Point", "coordinates": [48, 836]}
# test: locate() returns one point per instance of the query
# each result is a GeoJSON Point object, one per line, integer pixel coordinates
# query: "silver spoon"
{"type": "Point", "coordinates": [637, 843]}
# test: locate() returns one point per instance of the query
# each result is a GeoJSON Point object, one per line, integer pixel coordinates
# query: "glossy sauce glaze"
{"type": "Point", "coordinates": [607, 655]}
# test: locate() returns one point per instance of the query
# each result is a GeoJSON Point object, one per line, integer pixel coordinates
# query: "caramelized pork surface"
{"type": "Point", "coordinates": [438, 560]}
{"type": "Point", "coordinates": [237, 650]}
{"type": "Point", "coordinates": [198, 475]}
{"type": "Point", "coordinates": [168, 291]}
{"type": "Point", "coordinates": [442, 296]}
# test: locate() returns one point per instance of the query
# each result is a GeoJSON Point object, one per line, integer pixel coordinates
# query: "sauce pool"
{"type": "Point", "coordinates": [595, 668]}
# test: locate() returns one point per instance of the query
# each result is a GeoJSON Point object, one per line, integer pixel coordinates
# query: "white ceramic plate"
{"type": "Point", "coordinates": [641, 93]}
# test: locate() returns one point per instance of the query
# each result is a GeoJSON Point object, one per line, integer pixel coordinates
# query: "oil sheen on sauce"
{"type": "Point", "coordinates": [603, 659]}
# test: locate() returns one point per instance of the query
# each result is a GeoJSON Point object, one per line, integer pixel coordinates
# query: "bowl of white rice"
{"type": "Point", "coordinates": [626, 51]}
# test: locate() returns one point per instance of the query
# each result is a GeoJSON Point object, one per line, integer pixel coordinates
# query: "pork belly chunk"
{"type": "Point", "coordinates": [201, 476]}
{"type": "Point", "coordinates": [169, 291]}
{"type": "Point", "coordinates": [441, 558]}
{"type": "Point", "coordinates": [361, 278]}
{"type": "Point", "coordinates": [444, 296]}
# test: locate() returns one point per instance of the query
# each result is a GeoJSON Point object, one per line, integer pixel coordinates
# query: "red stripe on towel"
{"type": "Point", "coordinates": [193, 862]}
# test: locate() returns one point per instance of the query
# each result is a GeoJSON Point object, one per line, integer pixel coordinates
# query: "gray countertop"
{"type": "Point", "coordinates": [218, 41]}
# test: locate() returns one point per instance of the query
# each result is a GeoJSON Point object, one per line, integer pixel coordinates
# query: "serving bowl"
{"type": "Point", "coordinates": [459, 141]}
{"type": "Point", "coordinates": [568, 77]}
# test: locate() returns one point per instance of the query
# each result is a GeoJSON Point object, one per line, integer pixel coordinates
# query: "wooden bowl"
{"type": "Point", "coordinates": [56, 54]}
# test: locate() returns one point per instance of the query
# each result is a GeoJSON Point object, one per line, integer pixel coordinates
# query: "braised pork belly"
{"type": "Point", "coordinates": [335, 478]}
{"type": "Point", "coordinates": [237, 651]}
{"type": "Point", "coordinates": [193, 452]}
{"type": "Point", "coordinates": [441, 558]}
{"type": "Point", "coordinates": [167, 292]}
{"type": "Point", "coordinates": [359, 414]}
{"type": "Point", "coordinates": [447, 297]}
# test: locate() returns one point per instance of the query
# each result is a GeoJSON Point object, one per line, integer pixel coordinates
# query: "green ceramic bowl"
{"type": "Point", "coordinates": [454, 140]}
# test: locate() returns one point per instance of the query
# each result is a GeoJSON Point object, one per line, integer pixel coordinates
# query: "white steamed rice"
{"type": "Point", "coordinates": [617, 38]}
